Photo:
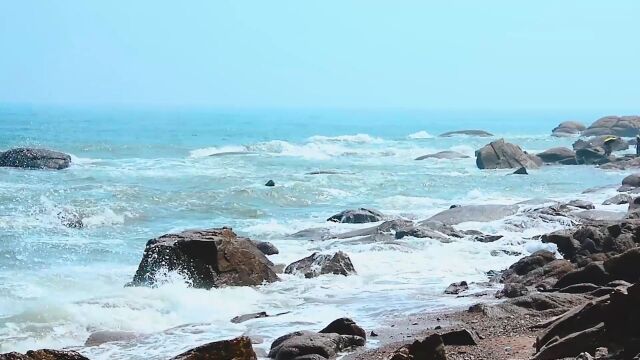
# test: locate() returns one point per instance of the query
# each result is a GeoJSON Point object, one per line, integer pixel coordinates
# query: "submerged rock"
{"type": "Point", "coordinates": [479, 133]}
{"type": "Point", "coordinates": [625, 126]}
{"type": "Point", "coordinates": [270, 183]}
{"type": "Point", "coordinates": [357, 216]}
{"type": "Point", "coordinates": [298, 344]}
{"type": "Point", "coordinates": [568, 128]}
{"type": "Point", "coordinates": [503, 155]}
{"type": "Point", "coordinates": [444, 155]}
{"type": "Point", "coordinates": [29, 158]}
{"type": "Point", "coordinates": [234, 349]}
{"type": "Point", "coordinates": [207, 258]}
{"type": "Point", "coordinates": [102, 337]}
{"type": "Point", "coordinates": [319, 264]}
{"type": "Point", "coordinates": [266, 247]}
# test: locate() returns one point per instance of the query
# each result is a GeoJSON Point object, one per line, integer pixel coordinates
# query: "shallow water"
{"type": "Point", "coordinates": [138, 174]}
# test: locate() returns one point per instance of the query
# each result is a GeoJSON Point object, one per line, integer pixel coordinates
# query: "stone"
{"type": "Point", "coordinates": [593, 273]}
{"type": "Point", "coordinates": [106, 336]}
{"type": "Point", "coordinates": [568, 128]}
{"type": "Point", "coordinates": [558, 155]}
{"type": "Point", "coordinates": [624, 266]}
{"type": "Point", "coordinates": [503, 155]}
{"type": "Point", "coordinates": [597, 142]}
{"type": "Point", "coordinates": [512, 290]}
{"type": "Point", "coordinates": [234, 349]}
{"type": "Point", "coordinates": [344, 326]}
{"type": "Point", "coordinates": [478, 133]}
{"type": "Point", "coordinates": [630, 182]}
{"type": "Point", "coordinates": [619, 199]}
{"type": "Point", "coordinates": [457, 288]}
{"type": "Point", "coordinates": [449, 155]}
{"type": "Point", "coordinates": [207, 258]}
{"type": "Point", "coordinates": [431, 348]}
{"type": "Point", "coordinates": [29, 158]}
{"type": "Point", "coordinates": [266, 247]}
{"type": "Point", "coordinates": [270, 183]}
{"type": "Point", "coordinates": [461, 337]}
{"type": "Point", "coordinates": [246, 317]}
{"type": "Point", "coordinates": [357, 216]}
{"type": "Point", "coordinates": [581, 204]}
{"type": "Point", "coordinates": [479, 213]}
{"type": "Point", "coordinates": [303, 343]}
{"type": "Point", "coordinates": [44, 354]}
{"type": "Point", "coordinates": [521, 171]}
{"type": "Point", "coordinates": [319, 264]}
{"type": "Point", "coordinates": [625, 126]}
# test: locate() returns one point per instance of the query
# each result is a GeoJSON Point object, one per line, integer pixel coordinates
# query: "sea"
{"type": "Point", "coordinates": [138, 173]}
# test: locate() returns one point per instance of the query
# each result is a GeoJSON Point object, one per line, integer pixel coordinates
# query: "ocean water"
{"type": "Point", "coordinates": [138, 174]}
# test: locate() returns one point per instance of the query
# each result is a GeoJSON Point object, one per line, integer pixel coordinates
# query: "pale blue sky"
{"type": "Point", "coordinates": [401, 54]}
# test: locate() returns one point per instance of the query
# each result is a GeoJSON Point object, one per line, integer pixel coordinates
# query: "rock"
{"type": "Point", "coordinates": [312, 234]}
{"type": "Point", "coordinates": [512, 290]}
{"type": "Point", "coordinates": [270, 183]}
{"type": "Point", "coordinates": [207, 258]}
{"type": "Point", "coordinates": [357, 216]}
{"type": "Point", "coordinates": [319, 264]}
{"type": "Point", "coordinates": [461, 337]}
{"type": "Point", "coordinates": [420, 232]}
{"type": "Point", "coordinates": [480, 213]}
{"type": "Point", "coordinates": [266, 247]}
{"type": "Point", "coordinates": [242, 318]}
{"type": "Point", "coordinates": [234, 349]}
{"type": "Point", "coordinates": [623, 163]}
{"type": "Point", "coordinates": [630, 182]}
{"type": "Point", "coordinates": [581, 204]}
{"type": "Point", "coordinates": [503, 155]}
{"type": "Point", "coordinates": [568, 128]}
{"type": "Point", "coordinates": [593, 273]}
{"type": "Point", "coordinates": [618, 200]}
{"type": "Point", "coordinates": [567, 245]}
{"type": "Point", "coordinates": [547, 301]}
{"type": "Point", "coordinates": [624, 266]}
{"type": "Point", "coordinates": [558, 155]}
{"type": "Point", "coordinates": [344, 326]}
{"type": "Point", "coordinates": [478, 133]}
{"type": "Point", "coordinates": [625, 126]}
{"type": "Point", "coordinates": [592, 156]}
{"type": "Point", "coordinates": [540, 269]}
{"type": "Point", "coordinates": [29, 158]}
{"type": "Point", "coordinates": [324, 172]}
{"type": "Point", "coordinates": [521, 171]}
{"type": "Point", "coordinates": [431, 348]}
{"type": "Point", "coordinates": [598, 143]}
{"type": "Point", "coordinates": [457, 288]}
{"type": "Point", "coordinates": [101, 337]}
{"type": "Point", "coordinates": [450, 155]}
{"type": "Point", "coordinates": [486, 238]}
{"type": "Point", "coordinates": [301, 343]}
{"type": "Point", "coordinates": [44, 354]}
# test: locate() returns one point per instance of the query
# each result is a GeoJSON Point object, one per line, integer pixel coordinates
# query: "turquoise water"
{"type": "Point", "coordinates": [137, 174]}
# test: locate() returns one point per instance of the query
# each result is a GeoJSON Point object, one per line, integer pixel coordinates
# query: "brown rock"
{"type": "Point", "coordinates": [234, 349]}
{"type": "Point", "coordinates": [503, 155]}
{"type": "Point", "coordinates": [318, 264]}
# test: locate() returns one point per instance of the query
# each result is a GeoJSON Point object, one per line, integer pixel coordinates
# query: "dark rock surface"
{"type": "Point", "coordinates": [102, 337]}
{"type": "Point", "coordinates": [29, 158]}
{"type": "Point", "coordinates": [431, 348]}
{"type": "Point", "coordinates": [457, 288]}
{"type": "Point", "coordinates": [558, 155]}
{"type": "Point", "coordinates": [626, 126]}
{"type": "Point", "coordinates": [207, 258]}
{"type": "Point", "coordinates": [618, 200]}
{"type": "Point", "coordinates": [521, 171]}
{"type": "Point", "coordinates": [344, 326]}
{"type": "Point", "coordinates": [270, 183]}
{"type": "Point", "coordinates": [303, 343]}
{"type": "Point", "coordinates": [266, 247]}
{"type": "Point", "coordinates": [234, 349]}
{"type": "Point", "coordinates": [581, 204]}
{"type": "Point", "coordinates": [357, 216]}
{"type": "Point", "coordinates": [503, 155]}
{"type": "Point", "coordinates": [319, 264]}
{"type": "Point", "coordinates": [44, 354]}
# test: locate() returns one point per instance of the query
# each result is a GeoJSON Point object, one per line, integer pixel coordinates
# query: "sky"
{"type": "Point", "coordinates": [457, 55]}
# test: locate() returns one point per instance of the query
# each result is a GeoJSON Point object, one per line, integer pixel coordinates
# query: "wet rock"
{"type": "Point", "coordinates": [503, 155]}
{"type": "Point", "coordinates": [312, 234]}
{"type": "Point", "coordinates": [512, 290]}
{"type": "Point", "coordinates": [624, 266]}
{"type": "Point", "coordinates": [478, 133]}
{"type": "Point", "coordinates": [593, 273]}
{"type": "Point", "coordinates": [242, 318]}
{"type": "Point", "coordinates": [270, 183]}
{"type": "Point", "coordinates": [592, 156]}
{"type": "Point", "coordinates": [44, 354]}
{"type": "Point", "coordinates": [450, 155]}
{"type": "Point", "coordinates": [521, 171]}
{"type": "Point", "coordinates": [207, 258]}
{"type": "Point", "coordinates": [319, 264]}
{"type": "Point", "coordinates": [581, 204]}
{"type": "Point", "coordinates": [420, 232]}
{"type": "Point", "coordinates": [29, 158]}
{"type": "Point", "coordinates": [624, 163]}
{"type": "Point", "coordinates": [547, 301]}
{"type": "Point", "coordinates": [568, 128]}
{"type": "Point", "coordinates": [625, 126]}
{"type": "Point", "coordinates": [540, 269]}
{"type": "Point", "coordinates": [461, 337]}
{"type": "Point", "coordinates": [302, 343]}
{"type": "Point", "coordinates": [384, 228]}
{"type": "Point", "coordinates": [101, 337]}
{"type": "Point", "coordinates": [598, 142]}
{"type": "Point", "coordinates": [457, 288]}
{"type": "Point", "coordinates": [558, 155]}
{"type": "Point", "coordinates": [234, 349]}
{"type": "Point", "coordinates": [344, 326]}
{"type": "Point", "coordinates": [630, 182]}
{"type": "Point", "coordinates": [485, 238]}
{"type": "Point", "coordinates": [618, 200]}
{"type": "Point", "coordinates": [324, 172]}
{"type": "Point", "coordinates": [266, 247]}
{"type": "Point", "coordinates": [357, 216]}
{"type": "Point", "coordinates": [431, 348]}
{"type": "Point", "coordinates": [479, 213]}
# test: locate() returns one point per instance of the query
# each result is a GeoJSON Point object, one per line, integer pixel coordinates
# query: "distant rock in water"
{"type": "Point", "coordinates": [568, 128]}
{"type": "Point", "coordinates": [357, 216]}
{"type": "Point", "coordinates": [626, 126]}
{"type": "Point", "coordinates": [559, 155]}
{"type": "Point", "coordinates": [207, 258]}
{"type": "Point", "coordinates": [270, 183]}
{"type": "Point", "coordinates": [234, 349]}
{"type": "Point", "coordinates": [521, 171]}
{"type": "Point", "coordinates": [319, 264]}
{"type": "Point", "coordinates": [44, 354]}
{"type": "Point", "coordinates": [230, 153]}
{"type": "Point", "coordinates": [503, 155]}
{"type": "Point", "coordinates": [598, 142]}
{"type": "Point", "coordinates": [457, 288]}
{"type": "Point", "coordinates": [324, 172]}
{"type": "Point", "coordinates": [29, 158]}
{"type": "Point", "coordinates": [444, 155]}
{"type": "Point", "coordinates": [102, 337]}
{"type": "Point", "coordinates": [478, 133]}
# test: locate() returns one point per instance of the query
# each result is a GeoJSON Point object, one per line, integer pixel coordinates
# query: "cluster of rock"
{"type": "Point", "coordinates": [30, 158]}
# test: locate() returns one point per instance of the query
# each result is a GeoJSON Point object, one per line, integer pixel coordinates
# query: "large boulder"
{"type": "Point", "coordinates": [540, 269]}
{"type": "Point", "coordinates": [30, 158]}
{"type": "Point", "coordinates": [479, 133]}
{"type": "Point", "coordinates": [619, 199]}
{"type": "Point", "coordinates": [234, 349]}
{"type": "Point", "coordinates": [318, 264]}
{"type": "Point", "coordinates": [568, 128]}
{"type": "Point", "coordinates": [503, 155]}
{"type": "Point", "coordinates": [626, 126]}
{"type": "Point", "coordinates": [618, 144]}
{"type": "Point", "coordinates": [357, 216]}
{"type": "Point", "coordinates": [625, 266]}
{"type": "Point", "coordinates": [431, 348]}
{"type": "Point", "coordinates": [207, 258]}
{"type": "Point", "coordinates": [300, 343]}
{"type": "Point", "coordinates": [344, 326]}
{"type": "Point", "coordinates": [558, 155]}
{"type": "Point", "coordinates": [449, 155]}
{"type": "Point", "coordinates": [480, 213]}
{"type": "Point", "coordinates": [630, 182]}
{"type": "Point", "coordinates": [44, 354]}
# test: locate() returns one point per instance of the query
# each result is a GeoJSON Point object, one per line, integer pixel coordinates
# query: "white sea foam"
{"type": "Point", "coordinates": [357, 139]}
{"type": "Point", "coordinates": [209, 151]}
{"type": "Point", "coordinates": [420, 135]}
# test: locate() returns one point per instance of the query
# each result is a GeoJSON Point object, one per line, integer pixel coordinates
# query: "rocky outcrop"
{"type": "Point", "coordinates": [478, 133]}
{"type": "Point", "coordinates": [44, 354]}
{"type": "Point", "coordinates": [450, 155]}
{"type": "Point", "coordinates": [540, 270]}
{"type": "Point", "coordinates": [234, 349]}
{"type": "Point", "coordinates": [503, 155]}
{"type": "Point", "coordinates": [431, 348]}
{"type": "Point", "coordinates": [29, 158]}
{"type": "Point", "coordinates": [298, 344]}
{"type": "Point", "coordinates": [357, 216]}
{"type": "Point", "coordinates": [626, 126]}
{"type": "Point", "coordinates": [207, 258]}
{"type": "Point", "coordinates": [618, 200]}
{"type": "Point", "coordinates": [456, 288]}
{"type": "Point", "coordinates": [480, 213]}
{"type": "Point", "coordinates": [618, 144]}
{"type": "Point", "coordinates": [623, 163]}
{"type": "Point", "coordinates": [344, 326]}
{"type": "Point", "coordinates": [558, 155]}
{"type": "Point", "coordinates": [319, 264]}
{"type": "Point", "coordinates": [568, 128]}
{"type": "Point", "coordinates": [592, 156]}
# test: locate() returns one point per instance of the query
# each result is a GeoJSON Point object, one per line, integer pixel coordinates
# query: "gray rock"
{"type": "Point", "coordinates": [29, 158]}
{"type": "Point", "coordinates": [357, 216]}
{"type": "Point", "coordinates": [444, 155]}
{"type": "Point", "coordinates": [478, 133]}
{"type": "Point", "coordinates": [312, 234]}
{"type": "Point", "coordinates": [558, 155]}
{"type": "Point", "coordinates": [581, 204]}
{"type": "Point", "coordinates": [344, 326]}
{"type": "Point", "coordinates": [625, 126]}
{"type": "Point", "coordinates": [102, 337]}
{"type": "Point", "coordinates": [234, 349]}
{"type": "Point", "coordinates": [431, 348]}
{"type": "Point", "coordinates": [266, 247]}
{"type": "Point", "coordinates": [461, 337]}
{"type": "Point", "coordinates": [302, 343]}
{"type": "Point", "coordinates": [618, 200]}
{"type": "Point", "coordinates": [457, 288]}
{"type": "Point", "coordinates": [503, 155]}
{"type": "Point", "coordinates": [521, 171]}
{"type": "Point", "coordinates": [568, 128]}
{"type": "Point", "coordinates": [480, 213]}
{"type": "Point", "coordinates": [319, 264]}
{"type": "Point", "coordinates": [512, 290]}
